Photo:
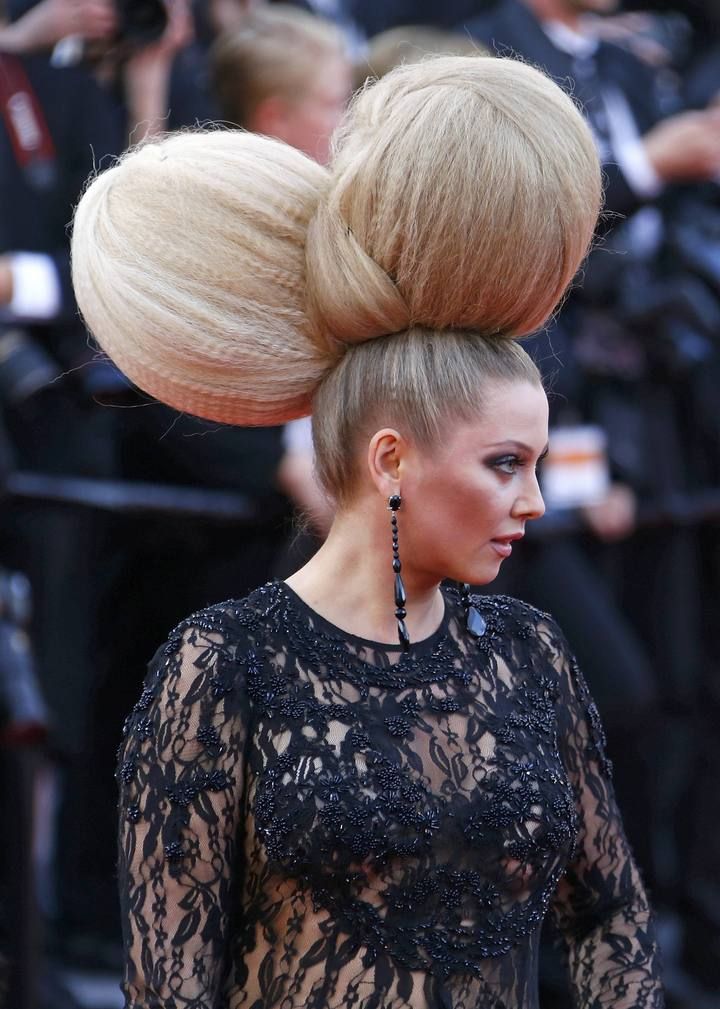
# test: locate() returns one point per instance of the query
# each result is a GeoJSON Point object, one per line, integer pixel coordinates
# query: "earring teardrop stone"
{"type": "Point", "coordinates": [475, 622]}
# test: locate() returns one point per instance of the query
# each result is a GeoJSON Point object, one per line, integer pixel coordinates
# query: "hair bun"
{"type": "Point", "coordinates": [189, 268]}
{"type": "Point", "coordinates": [350, 298]}
{"type": "Point", "coordinates": [464, 194]}
{"type": "Point", "coordinates": [225, 272]}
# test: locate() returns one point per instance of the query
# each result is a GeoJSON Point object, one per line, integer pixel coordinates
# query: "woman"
{"type": "Point", "coordinates": [357, 787]}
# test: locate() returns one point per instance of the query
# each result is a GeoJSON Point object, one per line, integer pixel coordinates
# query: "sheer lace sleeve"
{"type": "Point", "coordinates": [180, 777]}
{"type": "Point", "coordinates": [600, 905]}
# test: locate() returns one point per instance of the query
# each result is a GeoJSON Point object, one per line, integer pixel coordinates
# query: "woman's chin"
{"type": "Point", "coordinates": [485, 574]}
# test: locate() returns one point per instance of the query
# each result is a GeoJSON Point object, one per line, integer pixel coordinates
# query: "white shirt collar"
{"type": "Point", "coordinates": [570, 41]}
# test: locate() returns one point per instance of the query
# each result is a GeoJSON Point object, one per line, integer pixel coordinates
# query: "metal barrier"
{"type": "Point", "coordinates": [694, 508]}
{"type": "Point", "coordinates": [131, 497]}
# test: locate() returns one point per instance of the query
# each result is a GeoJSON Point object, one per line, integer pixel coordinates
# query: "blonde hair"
{"type": "Point", "coordinates": [276, 50]}
{"type": "Point", "coordinates": [229, 275]}
{"type": "Point", "coordinates": [464, 195]}
{"type": "Point", "coordinates": [189, 268]}
{"type": "Point", "coordinates": [419, 381]}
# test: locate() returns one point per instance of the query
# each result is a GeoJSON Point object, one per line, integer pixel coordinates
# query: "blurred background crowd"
{"type": "Point", "coordinates": [118, 516]}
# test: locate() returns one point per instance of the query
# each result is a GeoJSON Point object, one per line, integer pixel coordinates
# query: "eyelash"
{"type": "Point", "coordinates": [514, 462]}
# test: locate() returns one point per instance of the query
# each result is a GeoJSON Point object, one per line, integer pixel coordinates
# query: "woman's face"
{"type": "Point", "coordinates": [466, 502]}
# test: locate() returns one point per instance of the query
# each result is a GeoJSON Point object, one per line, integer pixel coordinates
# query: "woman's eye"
{"type": "Point", "coordinates": [507, 464]}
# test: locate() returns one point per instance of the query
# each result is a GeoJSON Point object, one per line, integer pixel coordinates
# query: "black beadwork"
{"type": "Point", "coordinates": [360, 828]}
{"type": "Point", "coordinates": [474, 622]}
{"type": "Point", "coordinates": [394, 502]}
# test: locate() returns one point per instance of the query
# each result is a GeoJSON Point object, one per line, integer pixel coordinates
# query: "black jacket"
{"type": "Point", "coordinates": [84, 128]}
{"type": "Point", "coordinates": [35, 213]}
{"type": "Point", "coordinates": [511, 28]}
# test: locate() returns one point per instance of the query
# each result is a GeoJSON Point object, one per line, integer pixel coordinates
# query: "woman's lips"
{"type": "Point", "coordinates": [503, 544]}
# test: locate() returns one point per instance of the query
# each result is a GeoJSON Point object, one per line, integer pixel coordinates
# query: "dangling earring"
{"type": "Point", "coordinates": [394, 502]}
{"type": "Point", "coordinates": [474, 620]}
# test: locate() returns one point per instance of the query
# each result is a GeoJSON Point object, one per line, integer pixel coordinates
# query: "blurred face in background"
{"type": "Point", "coordinates": [284, 72]}
{"type": "Point", "coordinates": [308, 120]}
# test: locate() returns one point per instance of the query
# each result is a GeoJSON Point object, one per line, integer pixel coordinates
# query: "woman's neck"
{"type": "Point", "coordinates": [350, 581]}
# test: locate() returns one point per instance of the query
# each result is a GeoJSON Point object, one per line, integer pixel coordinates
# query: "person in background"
{"type": "Point", "coordinates": [34, 261]}
{"type": "Point", "coordinates": [642, 149]}
{"type": "Point", "coordinates": [285, 73]}
{"type": "Point", "coordinates": [55, 389]}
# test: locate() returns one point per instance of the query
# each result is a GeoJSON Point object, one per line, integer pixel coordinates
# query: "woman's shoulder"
{"type": "Point", "coordinates": [517, 629]}
{"type": "Point", "coordinates": [212, 656]}
{"type": "Point", "coordinates": [229, 624]}
{"type": "Point", "coordinates": [512, 615]}
{"type": "Point", "coordinates": [528, 639]}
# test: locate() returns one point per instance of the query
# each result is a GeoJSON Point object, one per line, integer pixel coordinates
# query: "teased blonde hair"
{"type": "Point", "coordinates": [276, 50]}
{"type": "Point", "coordinates": [189, 268]}
{"type": "Point", "coordinates": [228, 274]}
{"type": "Point", "coordinates": [465, 192]}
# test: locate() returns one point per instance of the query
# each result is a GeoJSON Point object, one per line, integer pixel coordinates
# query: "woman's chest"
{"type": "Point", "coordinates": [463, 773]}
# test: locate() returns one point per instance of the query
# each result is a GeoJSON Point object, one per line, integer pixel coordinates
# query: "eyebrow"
{"type": "Point", "coordinates": [519, 445]}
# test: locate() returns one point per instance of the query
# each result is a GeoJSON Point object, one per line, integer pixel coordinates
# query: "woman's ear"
{"type": "Point", "coordinates": [386, 451]}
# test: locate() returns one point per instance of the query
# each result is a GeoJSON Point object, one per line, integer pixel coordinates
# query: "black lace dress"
{"type": "Point", "coordinates": [312, 819]}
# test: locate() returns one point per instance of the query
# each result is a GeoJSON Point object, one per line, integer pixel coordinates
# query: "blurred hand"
{"type": "Point", "coordinates": [147, 73]}
{"type": "Point", "coordinates": [614, 518]}
{"type": "Point", "coordinates": [228, 14]}
{"type": "Point", "coordinates": [6, 281]}
{"type": "Point", "coordinates": [634, 31]}
{"type": "Point", "coordinates": [686, 147]}
{"type": "Point", "coordinates": [52, 20]}
{"type": "Point", "coordinates": [179, 32]}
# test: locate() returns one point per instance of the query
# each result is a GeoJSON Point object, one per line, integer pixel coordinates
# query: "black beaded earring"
{"type": "Point", "coordinates": [474, 620]}
{"type": "Point", "coordinates": [394, 502]}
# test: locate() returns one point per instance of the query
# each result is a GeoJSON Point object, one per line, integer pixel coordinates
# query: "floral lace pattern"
{"type": "Point", "coordinates": [311, 819]}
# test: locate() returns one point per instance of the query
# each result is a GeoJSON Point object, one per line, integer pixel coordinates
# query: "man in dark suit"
{"type": "Point", "coordinates": [641, 147]}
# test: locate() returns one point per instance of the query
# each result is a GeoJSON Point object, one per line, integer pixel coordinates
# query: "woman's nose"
{"type": "Point", "coordinates": [530, 504]}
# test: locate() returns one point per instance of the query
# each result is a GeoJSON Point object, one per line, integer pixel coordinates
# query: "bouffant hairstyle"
{"type": "Point", "coordinates": [234, 278]}
{"type": "Point", "coordinates": [275, 50]}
